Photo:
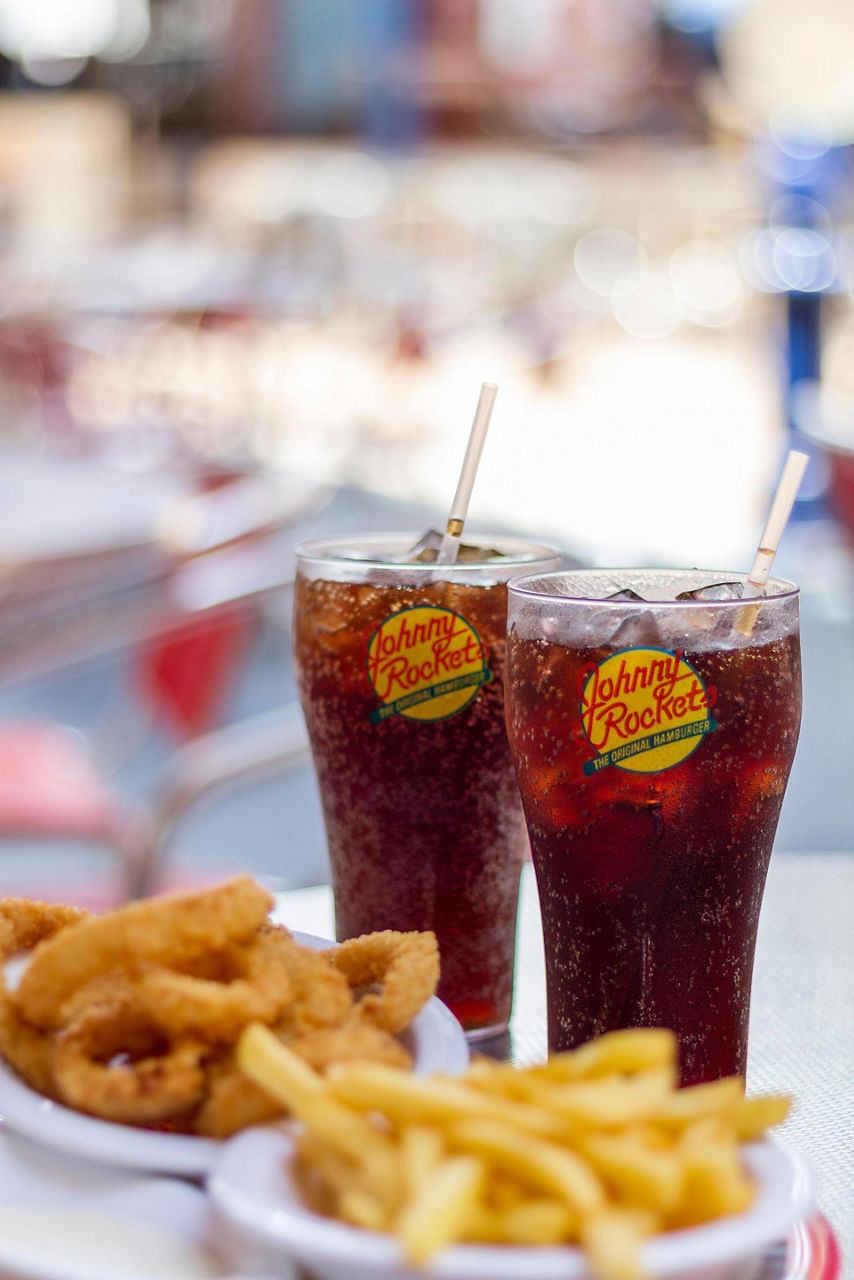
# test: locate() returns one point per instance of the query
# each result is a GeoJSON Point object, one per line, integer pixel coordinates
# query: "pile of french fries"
{"type": "Point", "coordinates": [596, 1147]}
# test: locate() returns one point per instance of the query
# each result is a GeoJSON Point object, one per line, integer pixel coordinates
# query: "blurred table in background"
{"type": "Point", "coordinates": [93, 560]}
{"type": "Point", "coordinates": [322, 307]}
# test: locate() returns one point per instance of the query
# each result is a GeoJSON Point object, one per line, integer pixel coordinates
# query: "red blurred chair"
{"type": "Point", "coordinates": [51, 786]}
{"type": "Point", "coordinates": [50, 789]}
{"type": "Point", "coordinates": [188, 673]}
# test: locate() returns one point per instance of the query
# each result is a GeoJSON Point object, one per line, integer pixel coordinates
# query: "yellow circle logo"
{"type": "Point", "coordinates": [425, 663]}
{"type": "Point", "coordinates": [644, 710]}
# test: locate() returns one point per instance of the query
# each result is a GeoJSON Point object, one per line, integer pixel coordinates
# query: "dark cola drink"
{"type": "Point", "coordinates": [653, 741]}
{"type": "Point", "coordinates": [400, 669]}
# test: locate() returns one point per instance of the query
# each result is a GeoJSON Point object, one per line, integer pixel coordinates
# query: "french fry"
{"type": "Point", "coordinates": [338, 1171]}
{"type": "Point", "coordinates": [614, 1240]}
{"type": "Point", "coordinates": [362, 1209]}
{"type": "Point", "coordinates": [714, 1185]}
{"type": "Point", "coordinates": [754, 1115]}
{"type": "Point", "coordinates": [371, 1086]}
{"type": "Point", "coordinates": [504, 1192]}
{"type": "Point", "coordinates": [542, 1165]}
{"type": "Point", "coordinates": [264, 1058]}
{"type": "Point", "coordinates": [636, 1174]}
{"type": "Point", "coordinates": [536, 1221]}
{"type": "Point", "coordinates": [343, 1129]}
{"type": "Point", "coordinates": [502, 1078]}
{"type": "Point", "coordinates": [438, 1212]}
{"type": "Point", "coordinates": [717, 1098]}
{"type": "Point", "coordinates": [290, 1080]}
{"type": "Point", "coordinates": [611, 1103]}
{"type": "Point", "coordinates": [539, 1222]}
{"type": "Point", "coordinates": [628, 1051]}
{"type": "Point", "coordinates": [597, 1146]}
{"type": "Point", "coordinates": [378, 1179]}
{"type": "Point", "coordinates": [421, 1149]}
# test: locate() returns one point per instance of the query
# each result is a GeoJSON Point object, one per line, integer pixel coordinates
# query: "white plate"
{"type": "Point", "coordinates": [27, 1112]}
{"type": "Point", "coordinates": [256, 1205]}
{"type": "Point", "coordinates": [435, 1039]}
{"type": "Point", "coordinates": [92, 1223]}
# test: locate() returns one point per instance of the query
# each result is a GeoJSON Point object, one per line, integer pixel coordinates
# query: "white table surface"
{"type": "Point", "coordinates": [802, 1016]}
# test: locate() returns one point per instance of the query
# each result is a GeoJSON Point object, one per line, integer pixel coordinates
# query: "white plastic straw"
{"type": "Point", "coordinates": [781, 509]}
{"type": "Point", "coordinates": [459, 507]}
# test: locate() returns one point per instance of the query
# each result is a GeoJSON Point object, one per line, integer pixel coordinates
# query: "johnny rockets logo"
{"type": "Point", "coordinates": [644, 710]}
{"type": "Point", "coordinates": [425, 663]}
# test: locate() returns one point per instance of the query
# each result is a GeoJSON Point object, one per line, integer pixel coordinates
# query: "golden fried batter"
{"type": "Point", "coordinates": [114, 1062]}
{"type": "Point", "coordinates": [24, 924]}
{"type": "Point", "coordinates": [407, 966]}
{"type": "Point", "coordinates": [158, 930]}
{"type": "Point", "coordinates": [133, 1016]}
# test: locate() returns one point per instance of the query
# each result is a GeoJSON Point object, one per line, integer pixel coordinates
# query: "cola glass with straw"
{"type": "Point", "coordinates": [400, 666]}
{"type": "Point", "coordinates": [653, 717]}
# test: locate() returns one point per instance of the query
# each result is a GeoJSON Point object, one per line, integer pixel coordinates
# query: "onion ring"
{"type": "Point", "coordinates": [257, 988]}
{"type": "Point", "coordinates": [232, 1102]}
{"type": "Point", "coordinates": [405, 964]}
{"type": "Point", "coordinates": [355, 1039]}
{"type": "Point", "coordinates": [133, 1016]}
{"type": "Point", "coordinates": [162, 930]}
{"type": "Point", "coordinates": [321, 993]}
{"type": "Point", "coordinates": [162, 1081]}
{"type": "Point", "coordinates": [23, 924]}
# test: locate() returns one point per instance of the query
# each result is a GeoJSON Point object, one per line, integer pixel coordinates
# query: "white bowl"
{"type": "Point", "coordinates": [258, 1213]}
{"type": "Point", "coordinates": [434, 1038]}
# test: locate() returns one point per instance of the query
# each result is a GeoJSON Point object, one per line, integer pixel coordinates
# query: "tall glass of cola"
{"type": "Point", "coordinates": [653, 718]}
{"type": "Point", "coordinates": [400, 667]}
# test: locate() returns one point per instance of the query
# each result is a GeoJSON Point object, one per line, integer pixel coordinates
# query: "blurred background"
{"type": "Point", "coordinates": [257, 257]}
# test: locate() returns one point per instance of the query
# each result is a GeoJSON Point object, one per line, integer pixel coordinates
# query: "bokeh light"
{"type": "Point", "coordinates": [707, 281]}
{"type": "Point", "coordinates": [608, 259]}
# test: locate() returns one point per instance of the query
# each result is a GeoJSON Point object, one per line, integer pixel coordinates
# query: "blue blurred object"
{"type": "Point", "coordinates": [391, 114]}
{"type": "Point", "coordinates": [808, 181]}
{"type": "Point", "coordinates": [341, 60]}
{"type": "Point", "coordinates": [701, 20]}
{"type": "Point", "coordinates": [313, 43]}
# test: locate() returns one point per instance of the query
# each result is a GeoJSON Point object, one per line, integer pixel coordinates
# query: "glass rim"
{"type": "Point", "coordinates": [521, 551]}
{"type": "Point", "coordinates": [776, 588]}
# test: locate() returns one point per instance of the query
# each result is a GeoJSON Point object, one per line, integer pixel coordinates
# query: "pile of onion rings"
{"type": "Point", "coordinates": [133, 1016]}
